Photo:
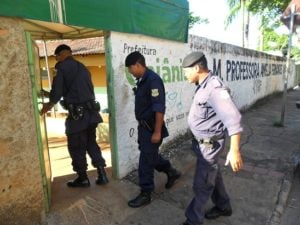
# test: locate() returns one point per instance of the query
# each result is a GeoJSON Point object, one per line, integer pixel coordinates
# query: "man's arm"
{"type": "Point", "coordinates": [56, 92]}
{"type": "Point", "coordinates": [159, 120]}
{"type": "Point", "coordinates": [46, 107]}
{"type": "Point", "coordinates": [234, 155]}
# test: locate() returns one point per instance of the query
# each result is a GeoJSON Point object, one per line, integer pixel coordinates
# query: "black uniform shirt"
{"type": "Point", "coordinates": [73, 82]}
{"type": "Point", "coordinates": [149, 96]}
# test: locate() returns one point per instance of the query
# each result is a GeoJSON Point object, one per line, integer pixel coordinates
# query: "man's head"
{"type": "Point", "coordinates": [135, 62]}
{"type": "Point", "coordinates": [194, 65]}
{"type": "Point", "coordinates": [62, 52]}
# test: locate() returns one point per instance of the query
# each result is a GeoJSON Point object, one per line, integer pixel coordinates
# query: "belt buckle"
{"type": "Point", "coordinates": [206, 141]}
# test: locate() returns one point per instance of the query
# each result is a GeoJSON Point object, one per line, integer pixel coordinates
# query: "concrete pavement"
{"type": "Point", "coordinates": [291, 214]}
{"type": "Point", "coordinates": [258, 193]}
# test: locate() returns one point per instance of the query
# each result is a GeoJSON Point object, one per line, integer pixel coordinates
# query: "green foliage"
{"type": "Point", "coordinates": [273, 41]}
{"type": "Point", "coordinates": [232, 14]}
{"type": "Point", "coordinates": [272, 6]}
{"type": "Point", "coordinates": [276, 42]}
{"type": "Point", "coordinates": [196, 20]}
{"type": "Point", "coordinates": [235, 7]}
{"type": "Point", "coordinates": [295, 53]}
{"type": "Point", "coordinates": [270, 12]}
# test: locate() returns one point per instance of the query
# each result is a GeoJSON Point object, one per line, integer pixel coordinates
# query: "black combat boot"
{"type": "Point", "coordinates": [81, 181]}
{"type": "Point", "coordinates": [216, 212]}
{"type": "Point", "coordinates": [173, 175]}
{"type": "Point", "coordinates": [102, 178]}
{"type": "Point", "coordinates": [144, 198]}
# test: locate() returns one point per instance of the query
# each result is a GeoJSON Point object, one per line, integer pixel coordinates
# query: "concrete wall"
{"type": "Point", "coordinates": [249, 74]}
{"type": "Point", "coordinates": [21, 193]}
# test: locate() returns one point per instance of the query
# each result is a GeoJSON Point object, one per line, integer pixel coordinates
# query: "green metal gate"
{"type": "Point", "coordinates": [34, 69]}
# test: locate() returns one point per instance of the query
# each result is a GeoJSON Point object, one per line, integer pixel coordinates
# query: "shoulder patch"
{"type": "Point", "coordinates": [154, 92]}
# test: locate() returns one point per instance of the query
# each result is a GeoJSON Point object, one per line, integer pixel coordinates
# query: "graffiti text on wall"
{"type": "Point", "coordinates": [235, 70]}
{"type": "Point", "coordinates": [174, 100]}
{"type": "Point", "coordinates": [177, 117]}
{"type": "Point", "coordinates": [169, 73]}
{"type": "Point", "coordinates": [140, 48]}
{"type": "Point", "coordinates": [243, 70]}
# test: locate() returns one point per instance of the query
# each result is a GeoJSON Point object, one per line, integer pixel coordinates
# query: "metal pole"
{"type": "Point", "coordinates": [47, 64]}
{"type": "Point", "coordinates": [287, 70]}
{"type": "Point", "coordinates": [48, 70]}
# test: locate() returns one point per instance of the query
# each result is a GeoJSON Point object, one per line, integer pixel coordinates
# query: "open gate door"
{"type": "Point", "coordinates": [34, 69]}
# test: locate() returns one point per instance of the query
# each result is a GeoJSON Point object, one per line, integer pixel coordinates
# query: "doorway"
{"type": "Point", "coordinates": [90, 52]}
{"type": "Point", "coordinates": [55, 161]}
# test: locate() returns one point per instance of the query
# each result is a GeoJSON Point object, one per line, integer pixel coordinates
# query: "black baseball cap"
{"type": "Point", "coordinates": [192, 58]}
{"type": "Point", "coordinates": [61, 48]}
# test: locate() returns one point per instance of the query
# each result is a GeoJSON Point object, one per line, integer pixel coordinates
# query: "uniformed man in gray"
{"type": "Point", "coordinates": [211, 115]}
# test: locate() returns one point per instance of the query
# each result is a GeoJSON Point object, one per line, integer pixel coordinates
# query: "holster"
{"type": "Point", "coordinates": [76, 111]}
{"type": "Point", "coordinates": [93, 105]}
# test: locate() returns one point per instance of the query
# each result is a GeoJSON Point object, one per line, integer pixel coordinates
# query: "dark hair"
{"type": "Point", "coordinates": [202, 63]}
{"type": "Point", "coordinates": [61, 48]}
{"type": "Point", "coordinates": [133, 58]}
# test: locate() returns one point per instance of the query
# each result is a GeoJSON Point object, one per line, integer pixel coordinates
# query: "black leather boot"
{"type": "Point", "coordinates": [144, 198]}
{"type": "Point", "coordinates": [80, 181]}
{"type": "Point", "coordinates": [216, 212]}
{"type": "Point", "coordinates": [173, 175]}
{"type": "Point", "coordinates": [102, 178]}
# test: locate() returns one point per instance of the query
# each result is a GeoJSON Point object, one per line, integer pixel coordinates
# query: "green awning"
{"type": "Point", "coordinates": [167, 19]}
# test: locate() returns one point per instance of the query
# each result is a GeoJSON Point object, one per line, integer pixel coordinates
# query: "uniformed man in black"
{"type": "Point", "coordinates": [149, 112]}
{"type": "Point", "coordinates": [73, 82]}
{"type": "Point", "coordinates": [212, 114]}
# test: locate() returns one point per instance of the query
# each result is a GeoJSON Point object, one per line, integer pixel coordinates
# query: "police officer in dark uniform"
{"type": "Point", "coordinates": [73, 82]}
{"type": "Point", "coordinates": [212, 113]}
{"type": "Point", "coordinates": [149, 112]}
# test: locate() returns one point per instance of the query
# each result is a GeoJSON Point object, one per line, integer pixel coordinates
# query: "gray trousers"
{"type": "Point", "coordinates": [208, 181]}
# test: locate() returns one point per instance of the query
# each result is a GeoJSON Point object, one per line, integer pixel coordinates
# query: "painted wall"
{"type": "Point", "coordinates": [21, 193]}
{"type": "Point", "coordinates": [249, 74]}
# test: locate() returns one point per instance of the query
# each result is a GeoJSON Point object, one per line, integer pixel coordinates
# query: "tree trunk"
{"type": "Point", "coordinates": [243, 22]}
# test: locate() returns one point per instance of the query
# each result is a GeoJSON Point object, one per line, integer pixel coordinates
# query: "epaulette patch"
{"type": "Point", "coordinates": [154, 92]}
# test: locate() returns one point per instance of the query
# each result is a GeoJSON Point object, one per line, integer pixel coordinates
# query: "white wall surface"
{"type": "Point", "coordinates": [250, 75]}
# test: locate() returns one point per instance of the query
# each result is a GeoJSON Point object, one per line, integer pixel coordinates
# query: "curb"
{"type": "Point", "coordinates": [283, 194]}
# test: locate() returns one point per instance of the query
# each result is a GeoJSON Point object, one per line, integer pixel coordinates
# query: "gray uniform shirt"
{"type": "Point", "coordinates": [213, 110]}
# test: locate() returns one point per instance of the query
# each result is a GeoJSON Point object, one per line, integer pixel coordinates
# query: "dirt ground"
{"type": "Point", "coordinates": [58, 151]}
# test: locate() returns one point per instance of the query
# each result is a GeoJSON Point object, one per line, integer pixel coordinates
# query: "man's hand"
{"type": "Point", "coordinates": [159, 121]}
{"type": "Point", "coordinates": [156, 137]}
{"type": "Point", "coordinates": [46, 107]}
{"type": "Point", "coordinates": [235, 159]}
{"type": "Point", "coordinates": [234, 156]}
